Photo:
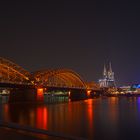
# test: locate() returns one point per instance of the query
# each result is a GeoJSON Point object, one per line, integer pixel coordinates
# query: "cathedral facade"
{"type": "Point", "coordinates": [108, 79]}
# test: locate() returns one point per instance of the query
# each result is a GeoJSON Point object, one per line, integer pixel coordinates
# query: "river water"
{"type": "Point", "coordinates": [110, 118]}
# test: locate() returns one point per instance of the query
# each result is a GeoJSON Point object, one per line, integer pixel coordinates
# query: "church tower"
{"type": "Point", "coordinates": [105, 72]}
{"type": "Point", "coordinates": [110, 73]}
{"type": "Point", "coordinates": [108, 79]}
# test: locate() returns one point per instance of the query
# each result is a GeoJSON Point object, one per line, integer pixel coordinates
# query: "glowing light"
{"type": "Point", "coordinates": [40, 89]}
{"type": "Point", "coordinates": [88, 92]}
{"type": "Point", "coordinates": [69, 93]}
{"type": "Point", "coordinates": [27, 78]}
{"type": "Point", "coordinates": [40, 94]}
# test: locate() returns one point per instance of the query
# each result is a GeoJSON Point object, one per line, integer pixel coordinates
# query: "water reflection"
{"type": "Point", "coordinates": [101, 118]}
{"type": "Point", "coordinates": [42, 116]}
{"type": "Point", "coordinates": [113, 110]}
{"type": "Point", "coordinates": [90, 117]}
{"type": "Point", "coordinates": [138, 103]}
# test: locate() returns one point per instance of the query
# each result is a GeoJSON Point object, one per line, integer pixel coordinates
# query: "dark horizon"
{"type": "Point", "coordinates": [79, 35]}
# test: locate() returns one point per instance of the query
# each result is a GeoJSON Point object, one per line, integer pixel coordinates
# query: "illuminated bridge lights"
{"type": "Point", "coordinates": [88, 93]}
{"type": "Point", "coordinates": [12, 73]}
{"type": "Point", "coordinates": [59, 78]}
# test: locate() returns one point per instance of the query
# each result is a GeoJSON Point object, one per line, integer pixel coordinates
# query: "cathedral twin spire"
{"type": "Point", "coordinates": [108, 73]}
{"type": "Point", "coordinates": [108, 79]}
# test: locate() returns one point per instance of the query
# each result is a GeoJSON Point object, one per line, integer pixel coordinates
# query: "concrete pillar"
{"type": "Point", "coordinates": [23, 95]}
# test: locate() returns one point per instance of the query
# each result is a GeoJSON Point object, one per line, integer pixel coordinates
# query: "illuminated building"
{"type": "Point", "coordinates": [108, 79]}
{"type": "Point", "coordinates": [136, 88]}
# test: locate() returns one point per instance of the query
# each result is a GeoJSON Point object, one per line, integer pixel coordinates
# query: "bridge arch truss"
{"type": "Point", "coordinates": [59, 78]}
{"type": "Point", "coordinates": [12, 73]}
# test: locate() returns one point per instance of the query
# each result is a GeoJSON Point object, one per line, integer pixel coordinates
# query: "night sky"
{"type": "Point", "coordinates": [80, 35]}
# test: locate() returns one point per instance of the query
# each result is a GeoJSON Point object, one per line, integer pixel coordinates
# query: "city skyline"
{"type": "Point", "coordinates": [70, 34]}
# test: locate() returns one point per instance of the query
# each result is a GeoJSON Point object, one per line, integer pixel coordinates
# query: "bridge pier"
{"type": "Point", "coordinates": [23, 95]}
{"type": "Point", "coordinates": [78, 94]}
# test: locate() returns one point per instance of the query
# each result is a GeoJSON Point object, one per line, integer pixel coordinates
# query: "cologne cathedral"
{"type": "Point", "coordinates": [108, 79]}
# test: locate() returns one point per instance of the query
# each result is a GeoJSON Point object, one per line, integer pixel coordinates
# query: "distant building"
{"type": "Point", "coordinates": [136, 87]}
{"type": "Point", "coordinates": [133, 89]}
{"type": "Point", "coordinates": [108, 79]}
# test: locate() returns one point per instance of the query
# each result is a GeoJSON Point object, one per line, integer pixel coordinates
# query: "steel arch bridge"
{"type": "Point", "coordinates": [13, 73]}
{"type": "Point", "coordinates": [63, 78]}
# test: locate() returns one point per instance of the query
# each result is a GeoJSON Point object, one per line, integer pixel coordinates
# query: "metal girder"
{"type": "Point", "coordinates": [59, 77]}
{"type": "Point", "coordinates": [11, 72]}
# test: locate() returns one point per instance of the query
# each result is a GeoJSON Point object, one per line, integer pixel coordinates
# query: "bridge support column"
{"type": "Point", "coordinates": [78, 94]}
{"type": "Point", "coordinates": [23, 95]}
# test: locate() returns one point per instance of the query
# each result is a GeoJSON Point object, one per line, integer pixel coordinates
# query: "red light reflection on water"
{"type": "Point", "coordinates": [6, 108]}
{"type": "Point", "coordinates": [90, 111]}
{"type": "Point", "coordinates": [90, 115]}
{"type": "Point", "coordinates": [6, 112]}
{"type": "Point", "coordinates": [113, 110]}
{"type": "Point", "coordinates": [42, 118]}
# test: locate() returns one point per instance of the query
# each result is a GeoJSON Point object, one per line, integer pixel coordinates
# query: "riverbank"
{"type": "Point", "coordinates": [22, 131]}
{"type": "Point", "coordinates": [7, 134]}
